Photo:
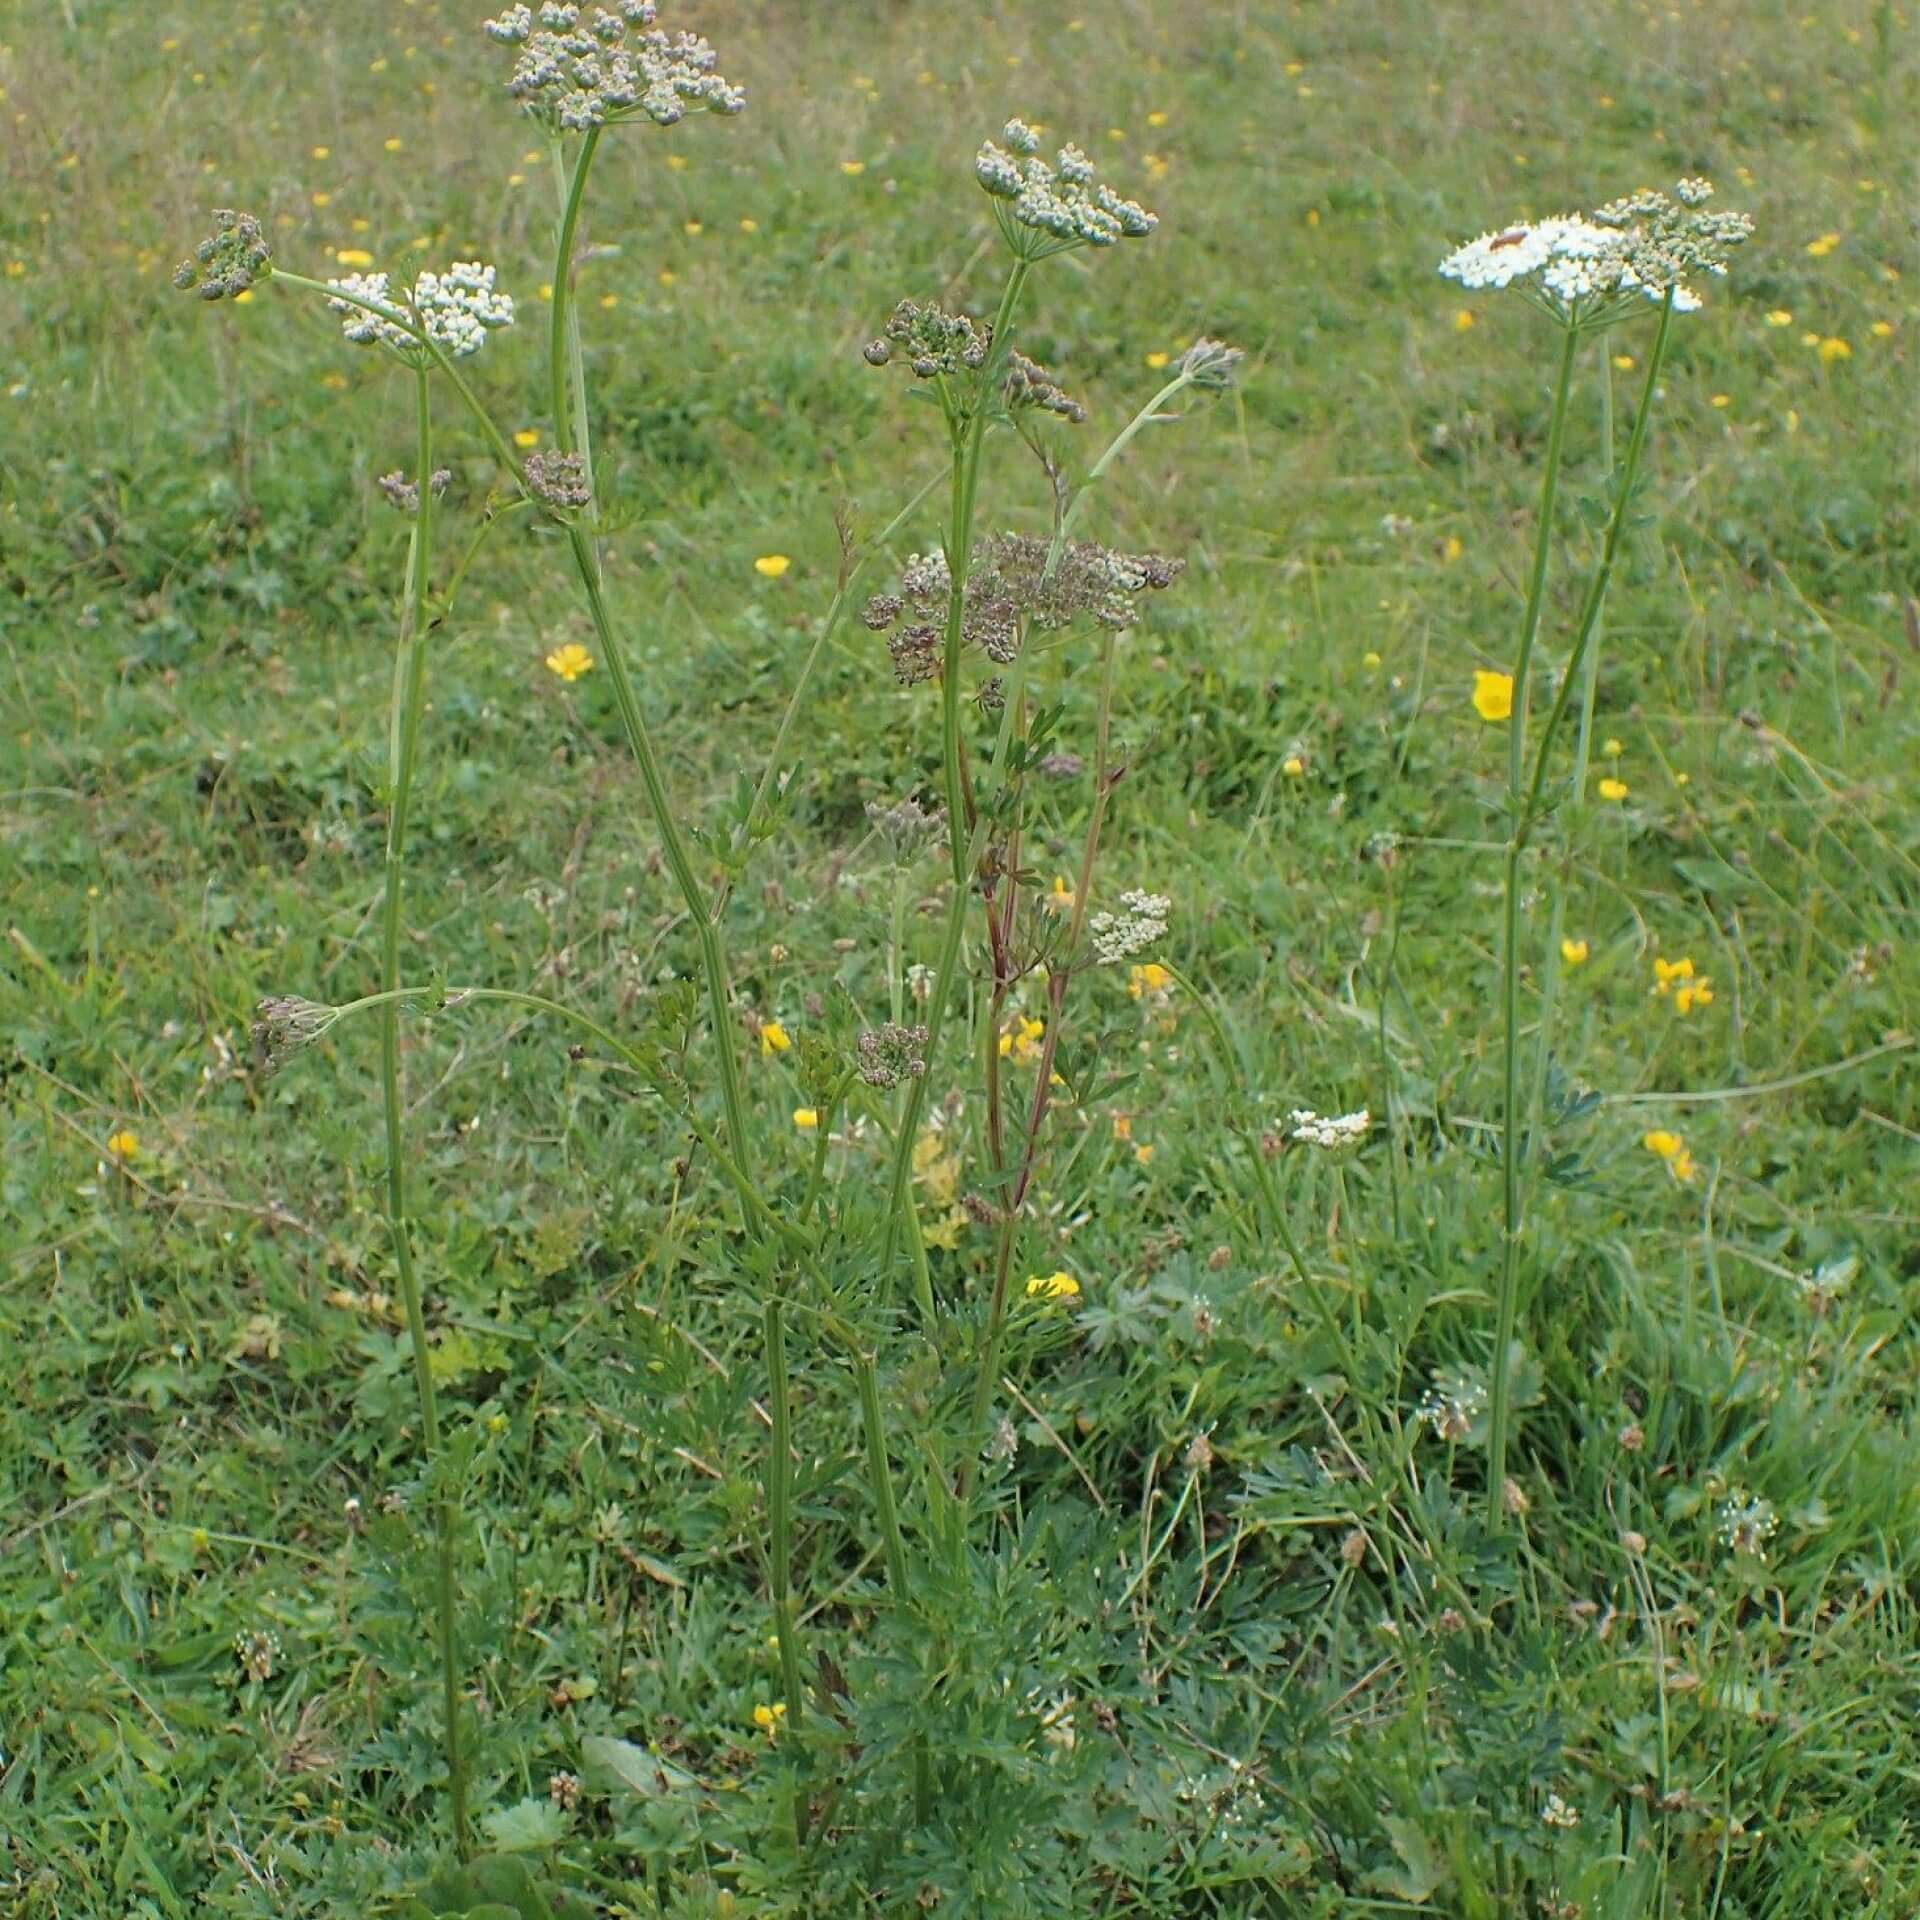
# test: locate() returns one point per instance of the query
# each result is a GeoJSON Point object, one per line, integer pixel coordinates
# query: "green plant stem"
{"type": "Point", "coordinates": [953, 930]}
{"type": "Point", "coordinates": [965, 494]}
{"type": "Point", "coordinates": [567, 380]}
{"type": "Point", "coordinates": [1525, 805]}
{"type": "Point", "coordinates": [779, 1506]}
{"type": "Point", "coordinates": [409, 685]}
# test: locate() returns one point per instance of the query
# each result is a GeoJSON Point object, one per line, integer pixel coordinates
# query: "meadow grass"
{"type": "Point", "coordinates": [1242, 1637]}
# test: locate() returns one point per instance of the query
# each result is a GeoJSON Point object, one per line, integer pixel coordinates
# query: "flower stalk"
{"type": "Point", "coordinates": [409, 684]}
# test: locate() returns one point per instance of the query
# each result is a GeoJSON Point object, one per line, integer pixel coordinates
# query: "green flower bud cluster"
{"type": "Point", "coordinates": [229, 260]}
{"type": "Point", "coordinates": [1030, 386]}
{"type": "Point", "coordinates": [1062, 206]}
{"type": "Point", "coordinates": [934, 343]}
{"type": "Point", "coordinates": [891, 1053]}
{"type": "Point", "coordinates": [1665, 239]}
{"type": "Point", "coordinates": [577, 68]}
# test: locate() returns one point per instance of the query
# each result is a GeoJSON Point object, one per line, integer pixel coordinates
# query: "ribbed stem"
{"type": "Point", "coordinates": [403, 732]}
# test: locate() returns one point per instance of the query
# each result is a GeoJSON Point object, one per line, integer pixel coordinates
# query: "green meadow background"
{"type": "Point", "coordinates": [208, 1396]}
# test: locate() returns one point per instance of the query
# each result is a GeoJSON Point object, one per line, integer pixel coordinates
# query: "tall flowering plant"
{"type": "Point", "coordinates": [987, 621]}
{"type": "Point", "coordinates": [1587, 275]}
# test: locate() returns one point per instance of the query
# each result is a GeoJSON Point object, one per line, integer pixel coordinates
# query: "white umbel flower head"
{"type": "Point", "coordinates": [1592, 270]}
{"type": "Point", "coordinates": [1119, 936]}
{"type": "Point", "coordinates": [1046, 209]}
{"type": "Point", "coordinates": [1337, 1133]}
{"type": "Point", "coordinates": [456, 310]}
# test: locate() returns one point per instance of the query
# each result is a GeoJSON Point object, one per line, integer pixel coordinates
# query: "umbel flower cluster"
{"type": "Point", "coordinates": [1594, 268]}
{"type": "Point", "coordinates": [577, 67]}
{"type": "Point", "coordinates": [1064, 205]}
{"type": "Point", "coordinates": [456, 309]}
{"type": "Point", "coordinates": [229, 260]}
{"type": "Point", "coordinates": [934, 343]}
{"type": "Point", "coordinates": [1009, 590]}
{"type": "Point", "coordinates": [1140, 924]}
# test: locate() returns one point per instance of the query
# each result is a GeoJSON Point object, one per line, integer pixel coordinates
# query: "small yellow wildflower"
{"type": "Point", "coordinates": [1882, 329]}
{"type": "Point", "coordinates": [609, 301]}
{"type": "Point", "coordinates": [1721, 400]}
{"type": "Point", "coordinates": [320, 153]}
{"type": "Point", "coordinates": [1809, 339]}
{"type": "Point", "coordinates": [1624, 361]}
{"type": "Point", "coordinates": [1150, 979]}
{"type": "Point", "coordinates": [1492, 695]}
{"type": "Point", "coordinates": [1021, 1041]}
{"type": "Point", "coordinates": [1832, 349]}
{"type": "Point", "coordinates": [768, 1718]}
{"type": "Point", "coordinates": [124, 1145]}
{"type": "Point", "coordinates": [1463, 321]}
{"type": "Point", "coordinates": [1052, 1286]}
{"type": "Point", "coordinates": [1453, 549]}
{"type": "Point", "coordinates": [1060, 898]}
{"type": "Point", "coordinates": [1123, 1126]}
{"type": "Point", "coordinates": [1156, 119]}
{"type": "Point", "coordinates": [1158, 360]}
{"type": "Point", "coordinates": [1673, 1150]}
{"type": "Point", "coordinates": [774, 1038]}
{"type": "Point", "coordinates": [1612, 748]}
{"type": "Point", "coordinates": [321, 199]}
{"type": "Point", "coordinates": [693, 228]}
{"type": "Point", "coordinates": [1780, 317]}
{"type": "Point", "coordinates": [353, 257]}
{"type": "Point", "coordinates": [527, 437]}
{"type": "Point", "coordinates": [392, 143]}
{"type": "Point", "coordinates": [1144, 1152]}
{"type": "Point", "coordinates": [1823, 246]}
{"type": "Point", "coordinates": [668, 276]}
{"type": "Point", "coordinates": [770, 566]}
{"type": "Point", "coordinates": [498, 1423]}
{"type": "Point", "coordinates": [1369, 659]}
{"type": "Point", "coordinates": [806, 1118]}
{"type": "Point", "coordinates": [1293, 766]}
{"type": "Point", "coordinates": [937, 1172]}
{"type": "Point", "coordinates": [570, 661]}
{"type": "Point", "coordinates": [749, 225]}
{"type": "Point", "coordinates": [334, 382]}
{"type": "Point", "coordinates": [1612, 789]}
{"type": "Point", "coordinates": [853, 168]}
{"type": "Point", "coordinates": [1574, 952]}
{"type": "Point", "coordinates": [676, 163]}
{"type": "Point", "coordinates": [1697, 993]}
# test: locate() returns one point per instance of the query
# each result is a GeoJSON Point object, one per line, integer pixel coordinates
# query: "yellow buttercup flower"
{"type": "Point", "coordinates": [770, 566]}
{"type": "Point", "coordinates": [1611, 789]}
{"type": "Point", "coordinates": [1463, 321]}
{"type": "Point", "coordinates": [1060, 899]}
{"type": "Point", "coordinates": [1779, 317]}
{"type": "Point", "coordinates": [1832, 349]}
{"type": "Point", "coordinates": [852, 168]}
{"type": "Point", "coordinates": [806, 1118]}
{"type": "Point", "coordinates": [768, 1718]}
{"type": "Point", "coordinates": [353, 257]}
{"type": "Point", "coordinates": [1052, 1286]}
{"type": "Point", "coordinates": [1823, 246]}
{"type": "Point", "coordinates": [1574, 952]}
{"type": "Point", "coordinates": [1882, 329]}
{"type": "Point", "coordinates": [774, 1038]}
{"type": "Point", "coordinates": [1453, 549]}
{"type": "Point", "coordinates": [1492, 695]}
{"type": "Point", "coordinates": [1293, 766]}
{"type": "Point", "coordinates": [570, 661]}
{"type": "Point", "coordinates": [123, 1145]}
{"type": "Point", "coordinates": [1158, 360]}
{"type": "Point", "coordinates": [527, 437]}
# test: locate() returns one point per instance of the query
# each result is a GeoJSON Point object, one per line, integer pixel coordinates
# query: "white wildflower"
{"type": "Point", "coordinates": [1119, 936]}
{"type": "Point", "coordinates": [1557, 1813]}
{"type": "Point", "coordinates": [456, 309]}
{"type": "Point", "coordinates": [1746, 1524]}
{"type": "Point", "coordinates": [1336, 1132]}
